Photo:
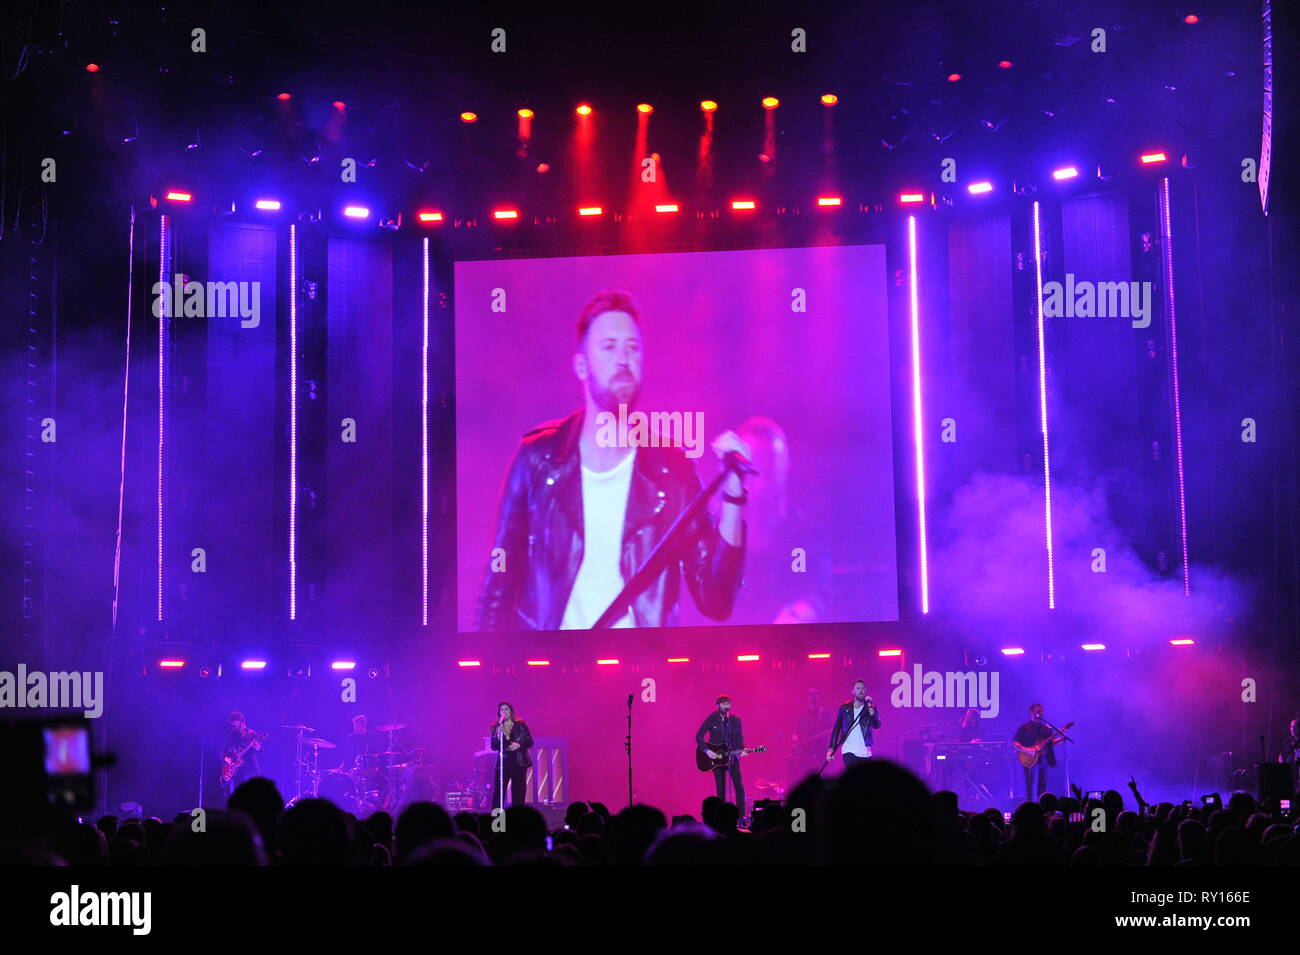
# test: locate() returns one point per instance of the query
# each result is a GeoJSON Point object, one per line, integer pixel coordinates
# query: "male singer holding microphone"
{"type": "Point", "coordinates": [578, 516]}
{"type": "Point", "coordinates": [851, 734]}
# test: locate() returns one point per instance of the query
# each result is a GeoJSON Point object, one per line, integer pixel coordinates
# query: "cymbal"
{"type": "Point", "coordinates": [297, 726]}
{"type": "Point", "coordinates": [390, 727]}
{"type": "Point", "coordinates": [391, 752]}
{"type": "Point", "coordinates": [319, 743]}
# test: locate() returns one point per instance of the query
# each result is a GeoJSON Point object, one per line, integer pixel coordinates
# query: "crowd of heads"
{"type": "Point", "coordinates": [876, 813]}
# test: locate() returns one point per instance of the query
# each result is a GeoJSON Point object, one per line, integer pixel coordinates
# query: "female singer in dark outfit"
{"type": "Point", "coordinates": [518, 742]}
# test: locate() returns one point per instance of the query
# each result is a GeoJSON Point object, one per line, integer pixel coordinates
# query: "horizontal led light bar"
{"type": "Point", "coordinates": [253, 665]}
{"type": "Point", "coordinates": [613, 662]}
{"type": "Point", "coordinates": [1149, 158]}
{"type": "Point", "coordinates": [268, 205]}
{"type": "Point", "coordinates": [979, 188]}
{"type": "Point", "coordinates": [667, 207]}
{"type": "Point", "coordinates": [343, 665]}
{"type": "Point", "coordinates": [591, 211]}
{"type": "Point", "coordinates": [1094, 646]}
{"type": "Point", "coordinates": [747, 658]}
{"type": "Point", "coordinates": [744, 204]}
{"type": "Point", "coordinates": [356, 212]}
{"type": "Point", "coordinates": [469, 663]}
{"type": "Point", "coordinates": [891, 653]}
{"type": "Point", "coordinates": [505, 214]}
{"type": "Point", "coordinates": [171, 664]}
{"type": "Point", "coordinates": [1013, 651]}
{"type": "Point", "coordinates": [829, 201]}
{"type": "Point", "coordinates": [911, 197]}
{"type": "Point", "coordinates": [429, 216]}
{"type": "Point", "coordinates": [179, 196]}
{"type": "Point", "coordinates": [1069, 172]}
{"type": "Point", "coordinates": [819, 656]}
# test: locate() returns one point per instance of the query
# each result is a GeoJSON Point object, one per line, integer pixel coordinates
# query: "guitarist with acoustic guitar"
{"type": "Point", "coordinates": [721, 738]}
{"type": "Point", "coordinates": [239, 754]}
{"type": "Point", "coordinates": [1034, 742]}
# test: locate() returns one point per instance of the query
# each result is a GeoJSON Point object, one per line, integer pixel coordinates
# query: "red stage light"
{"type": "Point", "coordinates": [1149, 158]}
{"type": "Point", "coordinates": [679, 659]}
{"type": "Point", "coordinates": [591, 211]}
{"type": "Point", "coordinates": [283, 96]}
{"type": "Point", "coordinates": [608, 663]}
{"type": "Point", "coordinates": [908, 197]}
{"type": "Point", "coordinates": [468, 117]}
{"type": "Point", "coordinates": [92, 67]}
{"type": "Point", "coordinates": [954, 77]}
{"type": "Point", "coordinates": [1005, 64]}
{"type": "Point", "coordinates": [746, 658]}
{"type": "Point", "coordinates": [583, 110]}
{"type": "Point", "coordinates": [171, 664]}
{"type": "Point", "coordinates": [469, 663]}
{"type": "Point", "coordinates": [645, 108]}
{"type": "Point", "coordinates": [891, 653]}
{"type": "Point", "coordinates": [543, 167]}
{"type": "Point", "coordinates": [819, 656]}
{"type": "Point", "coordinates": [526, 114]}
{"type": "Point", "coordinates": [770, 102]}
{"type": "Point", "coordinates": [179, 196]}
{"type": "Point", "coordinates": [666, 207]}
{"type": "Point", "coordinates": [539, 663]}
{"type": "Point", "coordinates": [339, 104]}
{"type": "Point", "coordinates": [1191, 18]}
{"type": "Point", "coordinates": [708, 105]}
{"type": "Point", "coordinates": [429, 216]}
{"type": "Point", "coordinates": [744, 204]}
{"type": "Point", "coordinates": [829, 201]}
{"type": "Point", "coordinates": [829, 99]}
{"type": "Point", "coordinates": [505, 214]}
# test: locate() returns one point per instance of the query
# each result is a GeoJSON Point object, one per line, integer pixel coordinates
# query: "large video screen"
{"type": "Point", "coordinates": [597, 399]}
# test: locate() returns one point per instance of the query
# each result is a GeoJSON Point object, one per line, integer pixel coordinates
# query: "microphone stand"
{"type": "Point", "coordinates": [1065, 738]}
{"type": "Point", "coordinates": [501, 767]}
{"type": "Point", "coordinates": [658, 558]}
{"type": "Point", "coordinates": [628, 746]}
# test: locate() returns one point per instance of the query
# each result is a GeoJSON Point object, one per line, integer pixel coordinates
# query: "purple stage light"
{"type": "Point", "coordinates": [268, 205]}
{"type": "Point", "coordinates": [1013, 651]}
{"type": "Point", "coordinates": [172, 664]}
{"type": "Point", "coordinates": [1182, 642]}
{"type": "Point", "coordinates": [1093, 646]}
{"type": "Point", "coordinates": [343, 665]}
{"type": "Point", "coordinates": [1069, 172]}
{"type": "Point", "coordinates": [916, 414]}
{"type": "Point", "coordinates": [424, 444]}
{"type": "Point", "coordinates": [356, 212]}
{"type": "Point", "coordinates": [293, 421]}
{"type": "Point", "coordinates": [253, 665]}
{"type": "Point", "coordinates": [1167, 254]}
{"type": "Point", "coordinates": [979, 188]}
{"type": "Point", "coordinates": [164, 250]}
{"type": "Point", "coordinates": [1042, 403]}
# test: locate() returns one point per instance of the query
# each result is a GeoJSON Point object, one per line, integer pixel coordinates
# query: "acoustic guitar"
{"type": "Point", "coordinates": [706, 765]}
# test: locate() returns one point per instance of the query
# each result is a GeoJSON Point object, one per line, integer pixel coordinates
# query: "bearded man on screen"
{"type": "Point", "coordinates": [579, 514]}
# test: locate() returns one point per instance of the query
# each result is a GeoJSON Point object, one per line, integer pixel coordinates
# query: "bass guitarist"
{"type": "Point", "coordinates": [239, 755]}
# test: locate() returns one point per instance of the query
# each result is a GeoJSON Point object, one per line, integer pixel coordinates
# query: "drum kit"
{"type": "Point", "coordinates": [375, 782]}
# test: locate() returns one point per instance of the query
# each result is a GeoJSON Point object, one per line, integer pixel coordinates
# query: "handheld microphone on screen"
{"type": "Point", "coordinates": [738, 462]}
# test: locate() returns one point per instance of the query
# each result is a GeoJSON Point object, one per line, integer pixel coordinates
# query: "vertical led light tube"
{"type": "Point", "coordinates": [1167, 257]}
{"type": "Point", "coordinates": [293, 421]}
{"type": "Point", "coordinates": [917, 416]}
{"type": "Point", "coordinates": [164, 313]}
{"type": "Point", "coordinates": [1042, 402]}
{"type": "Point", "coordinates": [424, 444]}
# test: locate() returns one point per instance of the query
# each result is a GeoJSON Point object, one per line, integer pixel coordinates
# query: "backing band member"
{"type": "Point", "coordinates": [239, 737]}
{"type": "Point", "coordinates": [1291, 748]}
{"type": "Point", "coordinates": [518, 741]}
{"type": "Point", "coordinates": [578, 517]}
{"type": "Point", "coordinates": [854, 721]}
{"type": "Point", "coordinates": [1032, 732]}
{"type": "Point", "coordinates": [720, 734]}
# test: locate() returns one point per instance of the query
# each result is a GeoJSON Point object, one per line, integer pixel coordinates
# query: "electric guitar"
{"type": "Point", "coordinates": [1028, 755]}
{"type": "Point", "coordinates": [232, 761]}
{"type": "Point", "coordinates": [706, 765]}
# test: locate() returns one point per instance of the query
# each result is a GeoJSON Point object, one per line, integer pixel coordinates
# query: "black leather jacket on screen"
{"type": "Point", "coordinates": [539, 528]}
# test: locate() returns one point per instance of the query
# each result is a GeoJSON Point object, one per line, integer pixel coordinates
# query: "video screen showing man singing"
{"type": "Point", "coordinates": [585, 503]}
{"type": "Point", "coordinates": [674, 440]}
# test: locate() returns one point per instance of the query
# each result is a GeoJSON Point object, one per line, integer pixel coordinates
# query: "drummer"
{"type": "Point", "coordinates": [359, 744]}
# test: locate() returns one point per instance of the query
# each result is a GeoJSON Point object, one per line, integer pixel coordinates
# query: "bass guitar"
{"type": "Point", "coordinates": [232, 761]}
